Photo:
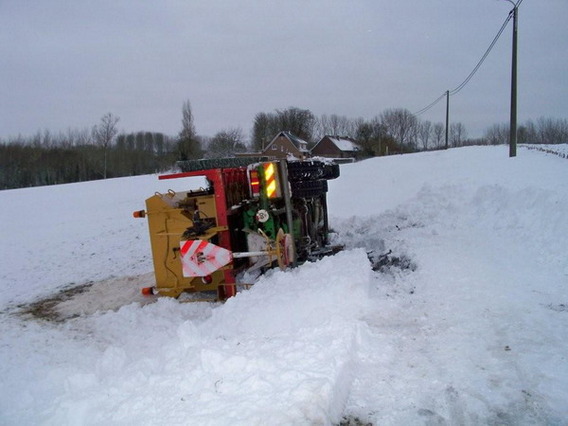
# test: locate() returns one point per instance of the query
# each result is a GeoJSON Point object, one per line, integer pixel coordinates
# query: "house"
{"type": "Point", "coordinates": [284, 144]}
{"type": "Point", "coordinates": [336, 147]}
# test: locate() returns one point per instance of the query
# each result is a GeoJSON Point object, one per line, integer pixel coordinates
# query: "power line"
{"type": "Point", "coordinates": [472, 73]}
{"type": "Point", "coordinates": [423, 110]}
{"type": "Point", "coordinates": [469, 77]}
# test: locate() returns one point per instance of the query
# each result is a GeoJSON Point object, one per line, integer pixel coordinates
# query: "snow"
{"type": "Point", "coordinates": [558, 149]}
{"type": "Point", "coordinates": [344, 144]}
{"type": "Point", "coordinates": [464, 322]}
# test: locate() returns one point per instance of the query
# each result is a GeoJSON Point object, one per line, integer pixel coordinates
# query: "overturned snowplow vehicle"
{"type": "Point", "coordinates": [253, 215]}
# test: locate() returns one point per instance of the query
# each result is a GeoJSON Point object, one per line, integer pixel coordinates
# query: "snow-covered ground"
{"type": "Point", "coordinates": [558, 149]}
{"type": "Point", "coordinates": [465, 321]}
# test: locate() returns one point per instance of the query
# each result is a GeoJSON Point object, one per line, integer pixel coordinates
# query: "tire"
{"type": "Point", "coordinates": [305, 170]}
{"type": "Point", "coordinates": [330, 171]}
{"type": "Point", "coordinates": [308, 189]}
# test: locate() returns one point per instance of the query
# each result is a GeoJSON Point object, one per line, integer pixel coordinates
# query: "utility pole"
{"type": "Point", "coordinates": [513, 121]}
{"type": "Point", "coordinates": [447, 115]}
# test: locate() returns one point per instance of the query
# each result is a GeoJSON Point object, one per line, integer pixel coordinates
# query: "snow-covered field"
{"type": "Point", "coordinates": [465, 321]}
{"type": "Point", "coordinates": [559, 149]}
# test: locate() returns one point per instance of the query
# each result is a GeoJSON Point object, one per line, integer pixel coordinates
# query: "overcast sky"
{"type": "Point", "coordinates": [66, 63]}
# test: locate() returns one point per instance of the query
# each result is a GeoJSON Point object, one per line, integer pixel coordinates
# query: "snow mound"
{"type": "Point", "coordinates": [475, 334]}
{"type": "Point", "coordinates": [282, 352]}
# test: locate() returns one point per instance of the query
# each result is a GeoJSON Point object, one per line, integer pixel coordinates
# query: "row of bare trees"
{"type": "Point", "coordinates": [100, 152]}
{"type": "Point", "coordinates": [542, 131]}
{"type": "Point", "coordinates": [398, 130]}
{"type": "Point", "coordinates": [394, 130]}
{"type": "Point", "coordinates": [79, 155]}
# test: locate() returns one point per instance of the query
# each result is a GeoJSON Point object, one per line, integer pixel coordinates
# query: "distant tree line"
{"type": "Point", "coordinates": [101, 152]}
{"type": "Point", "coordinates": [82, 155]}
{"type": "Point", "coordinates": [543, 131]}
{"type": "Point", "coordinates": [393, 131]}
{"type": "Point", "coordinates": [397, 130]}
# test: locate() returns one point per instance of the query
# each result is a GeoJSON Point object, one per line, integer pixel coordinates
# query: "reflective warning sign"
{"type": "Point", "coordinates": [200, 258]}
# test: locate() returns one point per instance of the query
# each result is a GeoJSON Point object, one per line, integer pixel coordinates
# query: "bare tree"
{"type": "Point", "coordinates": [497, 134]}
{"type": "Point", "coordinates": [401, 125]}
{"type": "Point", "coordinates": [458, 134]}
{"type": "Point", "coordinates": [527, 133]}
{"type": "Point", "coordinates": [187, 124]}
{"type": "Point", "coordinates": [300, 122]}
{"type": "Point", "coordinates": [438, 132]}
{"type": "Point", "coordinates": [188, 144]}
{"type": "Point", "coordinates": [424, 134]}
{"type": "Point", "coordinates": [262, 131]}
{"type": "Point", "coordinates": [335, 125]}
{"type": "Point", "coordinates": [103, 134]}
{"type": "Point", "coordinates": [226, 143]}
{"type": "Point", "coordinates": [372, 136]}
{"type": "Point", "coordinates": [296, 120]}
{"type": "Point", "coordinates": [552, 131]}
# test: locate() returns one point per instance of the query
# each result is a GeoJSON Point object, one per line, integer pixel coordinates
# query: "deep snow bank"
{"type": "Point", "coordinates": [476, 334]}
{"type": "Point", "coordinates": [281, 352]}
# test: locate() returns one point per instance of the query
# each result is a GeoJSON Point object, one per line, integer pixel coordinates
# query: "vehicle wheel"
{"type": "Point", "coordinates": [308, 189]}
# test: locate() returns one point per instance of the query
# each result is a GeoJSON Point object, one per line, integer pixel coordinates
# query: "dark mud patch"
{"type": "Point", "coordinates": [89, 298]}
{"type": "Point", "coordinates": [353, 421]}
{"type": "Point", "coordinates": [388, 263]}
{"type": "Point", "coordinates": [558, 307]}
{"type": "Point", "coordinates": [46, 309]}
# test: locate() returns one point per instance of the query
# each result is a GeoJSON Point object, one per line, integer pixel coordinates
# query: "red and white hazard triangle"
{"type": "Point", "coordinates": [201, 258]}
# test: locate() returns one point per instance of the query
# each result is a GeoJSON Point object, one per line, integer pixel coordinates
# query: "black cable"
{"type": "Point", "coordinates": [469, 77]}
{"type": "Point", "coordinates": [472, 73]}
{"type": "Point", "coordinates": [423, 110]}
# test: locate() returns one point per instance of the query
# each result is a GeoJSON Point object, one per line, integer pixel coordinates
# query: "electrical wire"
{"type": "Point", "coordinates": [423, 110]}
{"type": "Point", "coordinates": [472, 73]}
